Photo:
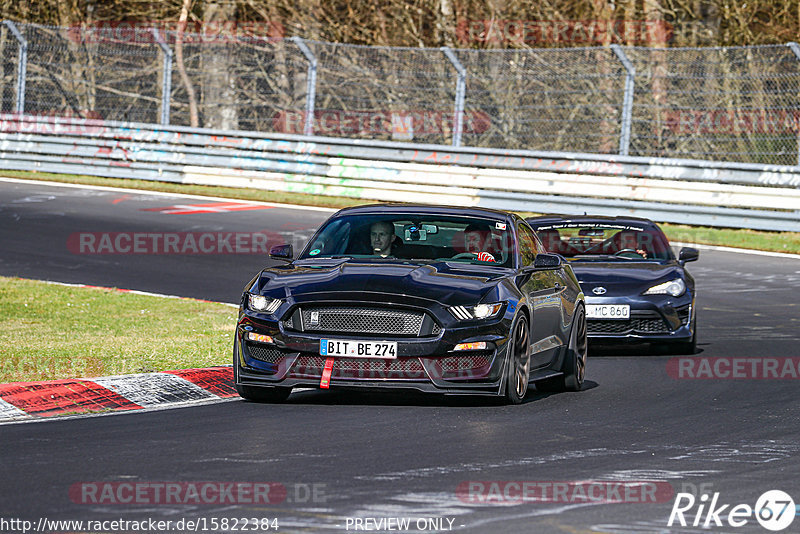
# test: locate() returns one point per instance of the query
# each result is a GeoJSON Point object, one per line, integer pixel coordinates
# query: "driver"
{"type": "Point", "coordinates": [628, 240]}
{"type": "Point", "coordinates": [477, 238]}
{"type": "Point", "coordinates": [381, 237]}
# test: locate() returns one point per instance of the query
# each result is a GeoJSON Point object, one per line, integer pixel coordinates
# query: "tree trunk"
{"type": "Point", "coordinates": [194, 121]}
{"type": "Point", "coordinates": [608, 128]}
{"type": "Point", "coordinates": [656, 36]}
{"type": "Point", "coordinates": [445, 23]}
{"type": "Point", "coordinates": [219, 81]}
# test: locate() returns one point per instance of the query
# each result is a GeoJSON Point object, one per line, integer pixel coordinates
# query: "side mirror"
{"type": "Point", "coordinates": [547, 261]}
{"type": "Point", "coordinates": [281, 252]}
{"type": "Point", "coordinates": [688, 254]}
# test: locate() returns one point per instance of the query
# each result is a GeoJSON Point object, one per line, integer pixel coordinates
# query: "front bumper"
{"type": "Point", "coordinates": [426, 363]}
{"type": "Point", "coordinates": [654, 318]}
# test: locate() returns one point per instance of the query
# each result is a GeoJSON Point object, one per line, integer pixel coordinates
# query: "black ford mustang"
{"type": "Point", "coordinates": [439, 299]}
{"type": "Point", "coordinates": [636, 289]}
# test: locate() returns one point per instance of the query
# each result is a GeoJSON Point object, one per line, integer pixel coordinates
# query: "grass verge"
{"type": "Point", "coordinates": [772, 241]}
{"type": "Point", "coordinates": [49, 331]}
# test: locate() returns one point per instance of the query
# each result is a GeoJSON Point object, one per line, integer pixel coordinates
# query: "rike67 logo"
{"type": "Point", "coordinates": [774, 510]}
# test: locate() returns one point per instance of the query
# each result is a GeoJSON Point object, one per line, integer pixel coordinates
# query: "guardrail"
{"type": "Point", "coordinates": [739, 195]}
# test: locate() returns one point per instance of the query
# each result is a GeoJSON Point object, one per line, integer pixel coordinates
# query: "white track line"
{"type": "Point", "coordinates": [165, 194]}
{"type": "Point", "coordinates": [332, 210]}
{"type": "Point", "coordinates": [134, 291]}
{"type": "Point", "coordinates": [738, 250]}
{"type": "Point", "coordinates": [114, 413]}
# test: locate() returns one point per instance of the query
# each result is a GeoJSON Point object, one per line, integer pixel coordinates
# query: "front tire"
{"type": "Point", "coordinates": [575, 366]}
{"type": "Point", "coordinates": [687, 347]}
{"type": "Point", "coordinates": [519, 362]}
{"type": "Point", "coordinates": [256, 393]}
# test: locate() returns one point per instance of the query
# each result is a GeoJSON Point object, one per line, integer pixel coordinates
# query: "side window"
{"type": "Point", "coordinates": [528, 244]}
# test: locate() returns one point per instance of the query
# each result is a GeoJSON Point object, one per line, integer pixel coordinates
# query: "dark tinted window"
{"type": "Point", "coordinates": [628, 241]}
{"type": "Point", "coordinates": [414, 237]}
{"type": "Point", "coordinates": [528, 246]}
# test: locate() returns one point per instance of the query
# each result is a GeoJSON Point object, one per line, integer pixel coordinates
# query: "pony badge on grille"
{"type": "Point", "coordinates": [314, 319]}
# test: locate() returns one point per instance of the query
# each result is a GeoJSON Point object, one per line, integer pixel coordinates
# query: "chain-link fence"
{"type": "Point", "coordinates": [727, 104]}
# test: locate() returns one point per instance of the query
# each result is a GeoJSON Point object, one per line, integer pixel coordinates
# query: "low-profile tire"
{"type": "Point", "coordinates": [575, 364]}
{"type": "Point", "coordinates": [686, 347]}
{"type": "Point", "coordinates": [518, 366]}
{"type": "Point", "coordinates": [257, 393]}
{"type": "Point", "coordinates": [573, 368]}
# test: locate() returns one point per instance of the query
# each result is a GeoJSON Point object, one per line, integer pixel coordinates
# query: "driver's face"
{"type": "Point", "coordinates": [381, 237]}
{"type": "Point", "coordinates": [474, 241]}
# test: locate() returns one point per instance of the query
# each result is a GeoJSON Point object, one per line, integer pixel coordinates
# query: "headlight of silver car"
{"type": "Point", "coordinates": [481, 311]}
{"type": "Point", "coordinates": [264, 304]}
{"type": "Point", "coordinates": [676, 288]}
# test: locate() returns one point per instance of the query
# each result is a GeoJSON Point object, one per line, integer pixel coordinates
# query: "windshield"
{"type": "Point", "coordinates": [605, 241]}
{"type": "Point", "coordinates": [416, 238]}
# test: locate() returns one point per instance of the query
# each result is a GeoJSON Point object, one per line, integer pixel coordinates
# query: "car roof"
{"type": "Point", "coordinates": [426, 209]}
{"type": "Point", "coordinates": [579, 219]}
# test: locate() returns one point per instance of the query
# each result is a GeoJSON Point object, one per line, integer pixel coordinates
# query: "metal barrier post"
{"type": "Point", "coordinates": [627, 103]}
{"type": "Point", "coordinates": [311, 86]}
{"type": "Point", "coordinates": [796, 50]}
{"type": "Point", "coordinates": [22, 65]}
{"type": "Point", "coordinates": [166, 76]}
{"type": "Point", "coordinates": [461, 90]}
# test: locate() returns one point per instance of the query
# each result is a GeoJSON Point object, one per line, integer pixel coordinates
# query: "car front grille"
{"type": "Point", "coordinates": [466, 362]}
{"type": "Point", "coordinates": [645, 326]}
{"type": "Point", "coordinates": [396, 369]}
{"type": "Point", "coordinates": [463, 366]}
{"type": "Point", "coordinates": [265, 354]}
{"type": "Point", "coordinates": [352, 320]}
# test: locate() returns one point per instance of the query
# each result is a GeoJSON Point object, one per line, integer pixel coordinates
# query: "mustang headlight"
{"type": "Point", "coordinates": [481, 311]}
{"type": "Point", "coordinates": [676, 288]}
{"type": "Point", "coordinates": [263, 304]}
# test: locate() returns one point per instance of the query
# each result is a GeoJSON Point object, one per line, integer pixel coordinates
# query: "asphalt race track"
{"type": "Point", "coordinates": [343, 455]}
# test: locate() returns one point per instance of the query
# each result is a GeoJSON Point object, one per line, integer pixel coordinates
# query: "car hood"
{"type": "Point", "coordinates": [623, 278]}
{"type": "Point", "coordinates": [448, 283]}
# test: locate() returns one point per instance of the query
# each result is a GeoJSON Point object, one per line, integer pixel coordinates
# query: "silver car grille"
{"type": "Point", "coordinates": [362, 320]}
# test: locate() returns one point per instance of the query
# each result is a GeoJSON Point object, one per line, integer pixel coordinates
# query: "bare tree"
{"type": "Point", "coordinates": [194, 119]}
{"type": "Point", "coordinates": [219, 81]}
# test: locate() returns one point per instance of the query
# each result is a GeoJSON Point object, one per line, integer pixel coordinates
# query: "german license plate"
{"type": "Point", "coordinates": [358, 349]}
{"type": "Point", "coordinates": [608, 311]}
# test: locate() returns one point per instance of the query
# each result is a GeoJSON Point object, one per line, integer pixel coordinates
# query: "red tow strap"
{"type": "Point", "coordinates": [325, 381]}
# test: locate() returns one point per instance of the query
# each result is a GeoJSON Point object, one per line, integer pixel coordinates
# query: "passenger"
{"type": "Point", "coordinates": [477, 239]}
